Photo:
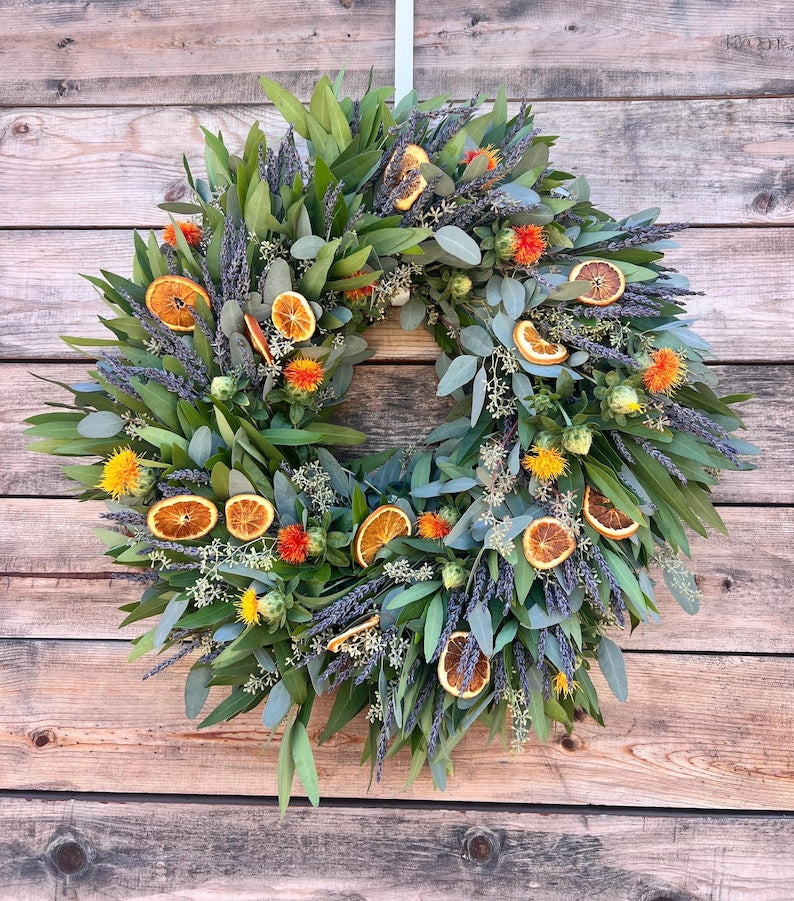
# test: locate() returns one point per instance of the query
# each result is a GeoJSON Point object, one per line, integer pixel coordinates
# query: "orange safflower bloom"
{"type": "Point", "coordinates": [529, 244]}
{"type": "Point", "coordinates": [431, 525]}
{"type": "Point", "coordinates": [191, 232]}
{"type": "Point", "coordinates": [293, 544]}
{"type": "Point", "coordinates": [666, 372]}
{"type": "Point", "coordinates": [362, 293]}
{"type": "Point", "coordinates": [489, 151]}
{"type": "Point", "coordinates": [304, 374]}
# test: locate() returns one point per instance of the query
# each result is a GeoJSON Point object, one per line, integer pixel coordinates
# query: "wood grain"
{"type": "Point", "coordinates": [383, 402]}
{"type": "Point", "coordinates": [594, 49]}
{"type": "Point", "coordinates": [110, 54]}
{"type": "Point", "coordinates": [176, 52]}
{"type": "Point", "coordinates": [723, 161]}
{"type": "Point", "coordinates": [131, 849]}
{"type": "Point", "coordinates": [747, 312]}
{"type": "Point", "coordinates": [697, 731]}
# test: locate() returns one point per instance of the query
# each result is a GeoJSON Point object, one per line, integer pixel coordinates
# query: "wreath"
{"type": "Point", "coordinates": [472, 579]}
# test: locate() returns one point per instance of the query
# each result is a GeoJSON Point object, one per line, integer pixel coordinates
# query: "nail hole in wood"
{"type": "Point", "coordinates": [570, 28]}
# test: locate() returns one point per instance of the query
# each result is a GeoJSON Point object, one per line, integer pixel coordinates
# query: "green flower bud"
{"type": "Point", "coordinates": [449, 514]}
{"type": "Point", "coordinates": [272, 606]}
{"type": "Point", "coordinates": [453, 575]}
{"type": "Point", "coordinates": [223, 387]}
{"type": "Point", "coordinates": [460, 286]}
{"type": "Point", "coordinates": [577, 440]}
{"type": "Point", "coordinates": [623, 399]}
{"type": "Point", "coordinates": [505, 244]}
{"type": "Point", "coordinates": [545, 440]}
{"type": "Point", "coordinates": [316, 541]}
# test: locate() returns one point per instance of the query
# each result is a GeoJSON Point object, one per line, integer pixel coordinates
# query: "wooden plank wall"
{"type": "Point", "coordinates": [106, 790]}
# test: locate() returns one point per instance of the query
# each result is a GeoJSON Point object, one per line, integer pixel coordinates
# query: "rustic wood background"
{"type": "Point", "coordinates": [106, 790]}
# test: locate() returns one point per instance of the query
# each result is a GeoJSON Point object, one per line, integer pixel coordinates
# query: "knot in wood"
{"type": "Point", "coordinates": [20, 128]}
{"type": "Point", "coordinates": [68, 853]}
{"type": "Point", "coordinates": [175, 192]}
{"type": "Point", "coordinates": [571, 743]}
{"type": "Point", "coordinates": [480, 845]}
{"type": "Point", "coordinates": [765, 202]}
{"type": "Point", "coordinates": [42, 737]}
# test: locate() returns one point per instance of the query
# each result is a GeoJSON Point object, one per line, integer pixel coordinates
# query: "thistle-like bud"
{"type": "Point", "coordinates": [505, 245]}
{"type": "Point", "coordinates": [577, 440]}
{"type": "Point", "coordinates": [453, 575]}
{"type": "Point", "coordinates": [272, 607]}
{"type": "Point", "coordinates": [316, 541]}
{"type": "Point", "coordinates": [449, 514]}
{"type": "Point", "coordinates": [223, 387]}
{"type": "Point", "coordinates": [623, 399]}
{"type": "Point", "coordinates": [460, 286]}
{"type": "Point", "coordinates": [545, 440]}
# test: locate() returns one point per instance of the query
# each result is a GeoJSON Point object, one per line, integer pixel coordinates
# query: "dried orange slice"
{"type": "Point", "coordinates": [547, 543]}
{"type": "Point", "coordinates": [377, 531]}
{"type": "Point", "coordinates": [293, 317]}
{"type": "Point", "coordinates": [605, 517]}
{"type": "Point", "coordinates": [608, 280]}
{"type": "Point", "coordinates": [172, 298]}
{"type": "Point", "coordinates": [248, 516]}
{"type": "Point", "coordinates": [370, 623]}
{"type": "Point", "coordinates": [448, 675]}
{"type": "Point", "coordinates": [182, 518]}
{"type": "Point", "coordinates": [411, 182]}
{"type": "Point", "coordinates": [536, 349]}
{"type": "Point", "coordinates": [257, 337]}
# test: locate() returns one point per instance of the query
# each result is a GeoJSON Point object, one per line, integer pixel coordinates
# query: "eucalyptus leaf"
{"type": "Point", "coordinates": [100, 425]}
{"type": "Point", "coordinates": [613, 666]}
{"type": "Point", "coordinates": [456, 242]}
{"type": "Point", "coordinates": [460, 372]}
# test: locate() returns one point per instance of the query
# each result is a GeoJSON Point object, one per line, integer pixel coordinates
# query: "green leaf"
{"type": "Point", "coordinates": [613, 666]}
{"type": "Point", "coordinates": [237, 702]}
{"type": "Point", "coordinates": [456, 242]}
{"type": "Point", "coordinates": [414, 593]}
{"type": "Point", "coordinates": [350, 700]}
{"type": "Point", "coordinates": [286, 768]}
{"type": "Point", "coordinates": [277, 706]}
{"type": "Point", "coordinates": [197, 689]}
{"type": "Point", "coordinates": [100, 425]}
{"type": "Point", "coordinates": [304, 763]}
{"type": "Point", "coordinates": [461, 371]}
{"type": "Point", "coordinates": [287, 104]}
{"type": "Point", "coordinates": [434, 623]}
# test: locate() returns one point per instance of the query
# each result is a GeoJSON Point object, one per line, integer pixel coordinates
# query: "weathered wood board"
{"type": "Point", "coordinates": [109, 850]}
{"type": "Point", "coordinates": [42, 294]}
{"type": "Point", "coordinates": [114, 53]}
{"type": "Point", "coordinates": [697, 731]}
{"type": "Point", "coordinates": [725, 161]}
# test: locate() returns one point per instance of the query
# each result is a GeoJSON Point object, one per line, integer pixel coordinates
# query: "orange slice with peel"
{"type": "Point", "coordinates": [536, 349]}
{"type": "Point", "coordinates": [608, 282]}
{"type": "Point", "coordinates": [248, 516]}
{"type": "Point", "coordinates": [370, 623]}
{"type": "Point", "coordinates": [257, 337]}
{"type": "Point", "coordinates": [451, 681]}
{"type": "Point", "coordinates": [182, 518]}
{"type": "Point", "coordinates": [605, 517]}
{"type": "Point", "coordinates": [293, 316]}
{"type": "Point", "coordinates": [172, 299]}
{"type": "Point", "coordinates": [547, 543]}
{"type": "Point", "coordinates": [377, 530]}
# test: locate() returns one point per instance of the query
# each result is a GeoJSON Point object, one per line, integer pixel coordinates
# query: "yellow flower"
{"type": "Point", "coordinates": [545, 463]}
{"type": "Point", "coordinates": [122, 473]}
{"type": "Point", "coordinates": [561, 686]}
{"type": "Point", "coordinates": [248, 608]}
